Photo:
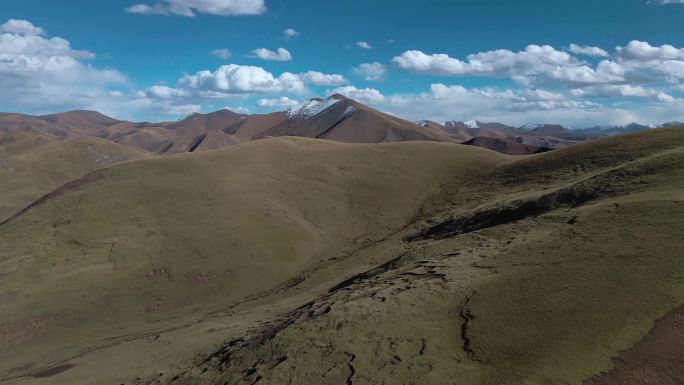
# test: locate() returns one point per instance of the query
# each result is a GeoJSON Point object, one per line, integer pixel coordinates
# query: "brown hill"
{"type": "Point", "coordinates": [551, 136]}
{"type": "Point", "coordinates": [341, 119]}
{"type": "Point", "coordinates": [505, 146]}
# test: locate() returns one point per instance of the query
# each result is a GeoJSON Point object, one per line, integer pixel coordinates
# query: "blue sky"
{"type": "Point", "coordinates": [492, 60]}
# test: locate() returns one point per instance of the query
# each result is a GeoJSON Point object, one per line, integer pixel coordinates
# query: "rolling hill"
{"type": "Point", "coordinates": [32, 165]}
{"type": "Point", "coordinates": [315, 261]}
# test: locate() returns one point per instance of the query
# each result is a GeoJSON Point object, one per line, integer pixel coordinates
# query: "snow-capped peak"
{"type": "Point", "coordinates": [422, 123]}
{"type": "Point", "coordinates": [471, 124]}
{"type": "Point", "coordinates": [531, 126]}
{"type": "Point", "coordinates": [311, 107]}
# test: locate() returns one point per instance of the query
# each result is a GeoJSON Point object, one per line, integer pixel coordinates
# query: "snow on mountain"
{"type": "Point", "coordinates": [422, 123]}
{"type": "Point", "coordinates": [471, 124]}
{"type": "Point", "coordinates": [531, 126]}
{"type": "Point", "coordinates": [311, 107]}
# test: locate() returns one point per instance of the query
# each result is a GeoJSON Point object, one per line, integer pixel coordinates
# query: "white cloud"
{"type": "Point", "coordinates": [643, 51]}
{"type": "Point", "coordinates": [515, 107]}
{"type": "Point", "coordinates": [164, 92]}
{"type": "Point", "coordinates": [221, 53]}
{"type": "Point", "coordinates": [321, 79]}
{"type": "Point", "coordinates": [281, 102]}
{"type": "Point", "coordinates": [536, 65]}
{"type": "Point", "coordinates": [281, 54]}
{"type": "Point", "coordinates": [39, 73]}
{"type": "Point", "coordinates": [238, 79]}
{"type": "Point", "coordinates": [587, 50]}
{"type": "Point", "coordinates": [374, 72]}
{"type": "Point", "coordinates": [664, 2]}
{"type": "Point", "coordinates": [21, 27]}
{"type": "Point", "coordinates": [363, 44]}
{"type": "Point", "coordinates": [621, 91]}
{"type": "Point", "coordinates": [364, 95]}
{"type": "Point", "coordinates": [238, 109]}
{"type": "Point", "coordinates": [291, 34]}
{"type": "Point", "coordinates": [192, 7]}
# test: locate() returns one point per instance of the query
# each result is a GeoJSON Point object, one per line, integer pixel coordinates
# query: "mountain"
{"type": "Point", "coordinates": [505, 146]}
{"type": "Point", "coordinates": [335, 118]}
{"type": "Point", "coordinates": [341, 119]}
{"type": "Point", "coordinates": [616, 130]}
{"type": "Point", "coordinates": [295, 260]}
{"type": "Point", "coordinates": [539, 136]}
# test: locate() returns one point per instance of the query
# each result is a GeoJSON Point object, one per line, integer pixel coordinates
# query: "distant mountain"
{"type": "Point", "coordinates": [537, 135]}
{"type": "Point", "coordinates": [505, 146]}
{"type": "Point", "coordinates": [335, 118]}
{"type": "Point", "coordinates": [616, 130]}
{"type": "Point", "coordinates": [341, 119]}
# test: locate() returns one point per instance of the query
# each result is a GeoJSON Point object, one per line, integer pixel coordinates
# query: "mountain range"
{"type": "Point", "coordinates": [335, 118]}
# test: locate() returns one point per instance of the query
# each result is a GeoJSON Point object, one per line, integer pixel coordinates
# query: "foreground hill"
{"type": "Point", "coordinates": [153, 244]}
{"type": "Point", "coordinates": [323, 262]}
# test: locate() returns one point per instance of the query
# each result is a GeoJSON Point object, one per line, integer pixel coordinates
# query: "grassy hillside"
{"type": "Point", "coordinates": [32, 165]}
{"type": "Point", "coordinates": [306, 261]}
{"type": "Point", "coordinates": [156, 243]}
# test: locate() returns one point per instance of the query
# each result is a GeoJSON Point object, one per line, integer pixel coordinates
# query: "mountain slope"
{"type": "Point", "coordinates": [505, 146]}
{"type": "Point", "coordinates": [150, 245]}
{"type": "Point", "coordinates": [33, 165]}
{"type": "Point", "coordinates": [344, 120]}
{"type": "Point", "coordinates": [317, 262]}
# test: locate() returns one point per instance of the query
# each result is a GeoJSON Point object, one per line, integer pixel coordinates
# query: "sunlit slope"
{"type": "Point", "coordinates": [163, 240]}
{"type": "Point", "coordinates": [32, 165]}
{"type": "Point", "coordinates": [540, 273]}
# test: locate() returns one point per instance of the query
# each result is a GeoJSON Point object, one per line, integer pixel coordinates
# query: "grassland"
{"type": "Point", "coordinates": [297, 261]}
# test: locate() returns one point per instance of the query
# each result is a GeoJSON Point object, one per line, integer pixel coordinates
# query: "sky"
{"type": "Point", "coordinates": [579, 63]}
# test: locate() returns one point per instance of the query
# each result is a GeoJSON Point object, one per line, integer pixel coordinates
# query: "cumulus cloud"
{"type": "Point", "coordinates": [238, 109]}
{"type": "Point", "coordinates": [39, 72]}
{"type": "Point", "coordinates": [454, 102]}
{"type": "Point", "coordinates": [290, 34]}
{"type": "Point", "coordinates": [221, 53]}
{"type": "Point", "coordinates": [238, 79]}
{"type": "Point", "coordinates": [163, 92]}
{"type": "Point", "coordinates": [321, 79]}
{"type": "Point", "coordinates": [21, 27]}
{"type": "Point", "coordinates": [282, 102]}
{"type": "Point", "coordinates": [190, 8]}
{"type": "Point", "coordinates": [535, 65]}
{"type": "Point", "coordinates": [364, 95]}
{"type": "Point", "coordinates": [364, 45]}
{"type": "Point", "coordinates": [643, 51]}
{"type": "Point", "coordinates": [374, 72]}
{"type": "Point", "coordinates": [665, 2]}
{"type": "Point", "coordinates": [281, 54]}
{"type": "Point", "coordinates": [587, 50]}
{"type": "Point", "coordinates": [233, 79]}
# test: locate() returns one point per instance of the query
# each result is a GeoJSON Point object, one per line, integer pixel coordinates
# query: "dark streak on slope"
{"type": "Point", "coordinates": [339, 121]}
{"type": "Point", "coordinates": [166, 148]}
{"type": "Point", "coordinates": [467, 317]}
{"type": "Point", "coordinates": [197, 142]}
{"type": "Point", "coordinates": [350, 364]}
{"type": "Point", "coordinates": [70, 186]}
{"type": "Point", "coordinates": [390, 265]}
{"type": "Point", "coordinates": [232, 129]}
